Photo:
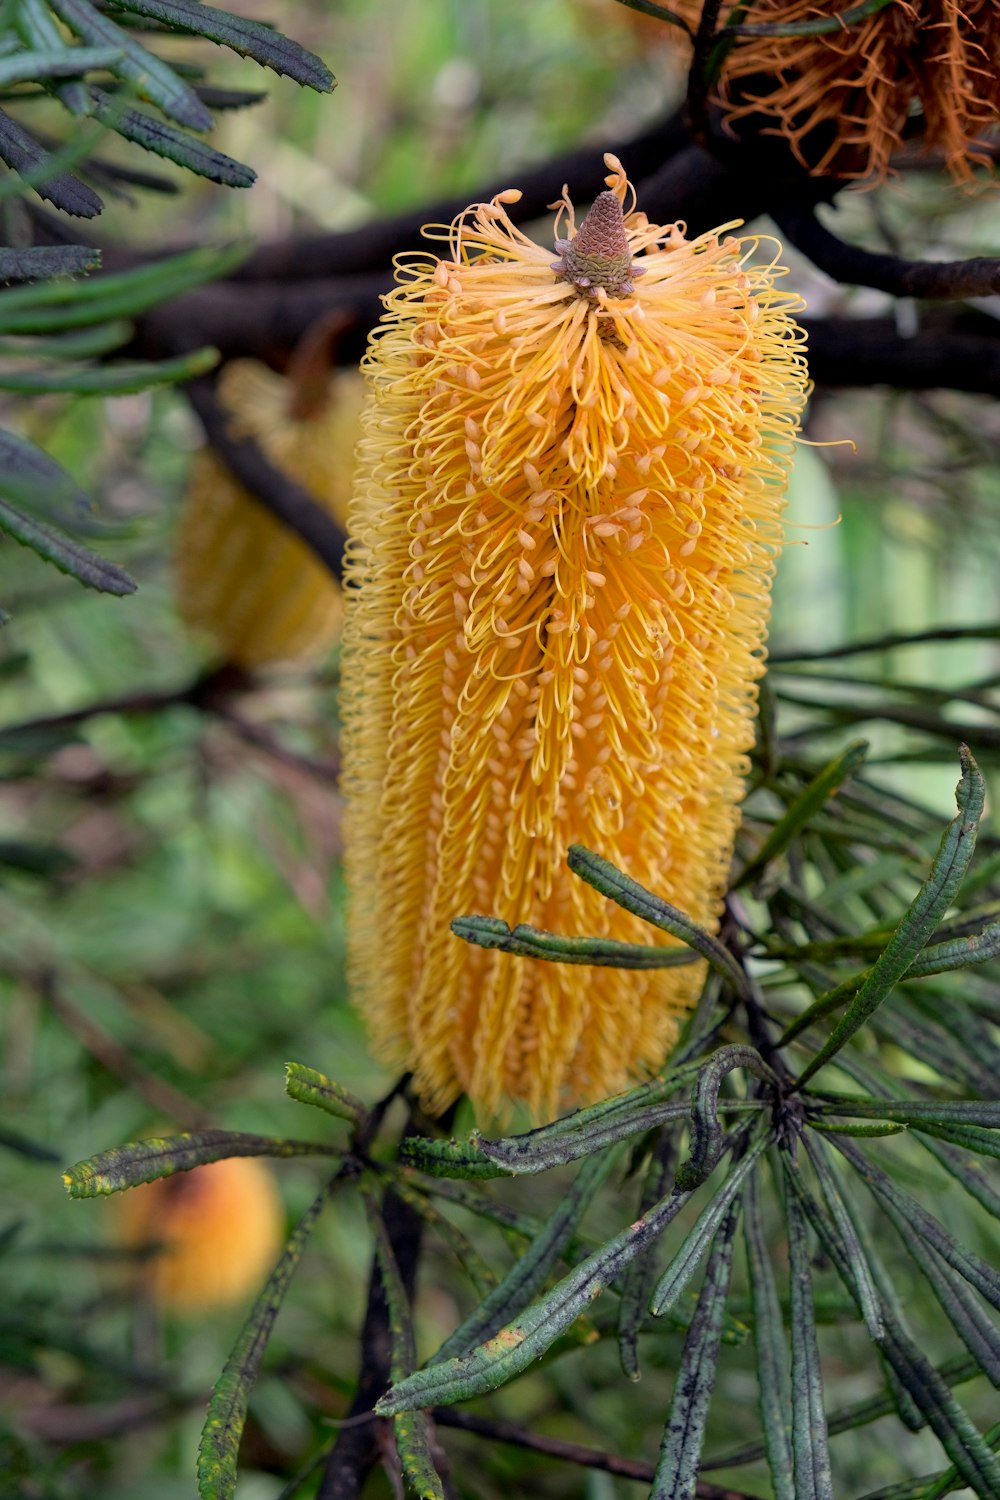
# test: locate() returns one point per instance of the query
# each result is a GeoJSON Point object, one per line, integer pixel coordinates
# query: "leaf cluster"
{"type": "Point", "coordinates": [758, 1149]}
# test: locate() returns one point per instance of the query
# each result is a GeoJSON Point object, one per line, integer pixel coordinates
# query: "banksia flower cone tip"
{"type": "Point", "coordinates": [564, 527]}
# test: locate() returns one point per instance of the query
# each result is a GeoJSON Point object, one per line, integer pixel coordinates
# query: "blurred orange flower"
{"type": "Point", "coordinates": [220, 1227]}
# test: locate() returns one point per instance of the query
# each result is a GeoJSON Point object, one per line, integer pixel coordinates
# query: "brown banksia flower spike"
{"type": "Point", "coordinates": [244, 582]}
{"type": "Point", "coordinates": [565, 521]}
{"type": "Point", "coordinates": [848, 97]}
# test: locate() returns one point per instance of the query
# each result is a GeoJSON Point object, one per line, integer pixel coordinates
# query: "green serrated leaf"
{"type": "Point", "coordinates": [926, 911]}
{"type": "Point", "coordinates": [982, 1112]}
{"type": "Point", "coordinates": [248, 38]}
{"type": "Point", "coordinates": [161, 1156]}
{"type": "Point", "coordinates": [69, 62]}
{"type": "Point", "coordinates": [39, 262]}
{"type": "Point", "coordinates": [63, 552]}
{"type": "Point", "coordinates": [112, 380]}
{"type": "Point", "coordinates": [447, 1159]}
{"type": "Point", "coordinates": [515, 1347]}
{"type": "Point", "coordinates": [708, 1139]}
{"type": "Point", "coordinates": [772, 1353]}
{"type": "Point", "coordinates": [976, 1271]}
{"type": "Point", "coordinates": [311, 1087]}
{"type": "Point", "coordinates": [151, 78]}
{"type": "Point", "coordinates": [43, 172]}
{"type": "Point", "coordinates": [170, 143]}
{"type": "Point", "coordinates": [531, 942]}
{"type": "Point", "coordinates": [810, 1451]}
{"type": "Point", "coordinates": [533, 1267]}
{"type": "Point", "coordinates": [628, 893]}
{"type": "Point", "coordinates": [804, 809]}
{"type": "Point", "coordinates": [639, 1278]}
{"type": "Point", "coordinates": [227, 1408]}
{"type": "Point", "coordinates": [57, 306]}
{"type": "Point", "coordinates": [537, 1151]}
{"type": "Point", "coordinates": [684, 1264]}
{"type": "Point", "coordinates": [867, 1294]}
{"type": "Point", "coordinates": [683, 1438]}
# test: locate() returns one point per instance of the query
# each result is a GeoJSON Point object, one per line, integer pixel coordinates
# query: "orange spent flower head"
{"type": "Point", "coordinates": [220, 1227]}
{"type": "Point", "coordinates": [244, 581]}
{"type": "Point", "coordinates": [564, 527]}
{"type": "Point", "coordinates": [844, 98]}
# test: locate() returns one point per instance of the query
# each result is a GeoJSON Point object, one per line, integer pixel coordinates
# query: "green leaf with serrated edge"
{"type": "Point", "coordinates": [39, 262]}
{"type": "Point", "coordinates": [29, 474]}
{"type": "Point", "coordinates": [170, 143]}
{"type": "Point", "coordinates": [769, 1341]}
{"type": "Point", "coordinates": [982, 1112]}
{"type": "Point", "coordinates": [926, 911]}
{"type": "Point", "coordinates": [971, 1137]}
{"type": "Point", "coordinates": [476, 1200]}
{"type": "Point", "coordinates": [40, 31]}
{"type": "Point", "coordinates": [958, 1303]}
{"type": "Point", "coordinates": [481, 1275]}
{"type": "Point", "coordinates": [56, 306]}
{"type": "Point", "coordinates": [684, 1435]}
{"type": "Point", "coordinates": [28, 67]}
{"type": "Point", "coordinates": [826, 1231]}
{"type": "Point", "coordinates": [532, 942]}
{"type": "Point", "coordinates": [924, 1387]}
{"type": "Point", "coordinates": [447, 1158]}
{"type": "Point", "coordinates": [940, 958]}
{"type": "Point", "coordinates": [976, 1271]}
{"type": "Point", "coordinates": [845, 1418]}
{"type": "Point", "coordinates": [684, 1264]}
{"type": "Point", "coordinates": [112, 380]}
{"type": "Point", "coordinates": [533, 1267]}
{"type": "Point", "coordinates": [87, 344]}
{"type": "Point", "coordinates": [515, 1347]}
{"type": "Point", "coordinates": [45, 172]}
{"type": "Point", "coordinates": [162, 1156]}
{"type": "Point", "coordinates": [628, 893]}
{"type": "Point", "coordinates": [558, 1150]}
{"type": "Point", "coordinates": [151, 78]}
{"type": "Point", "coordinates": [641, 1094]}
{"type": "Point", "coordinates": [810, 1451]}
{"type": "Point", "coordinates": [707, 1137]}
{"type": "Point", "coordinates": [311, 1087]}
{"type": "Point", "coordinates": [227, 1407]}
{"type": "Point", "coordinates": [874, 1128]}
{"type": "Point", "coordinates": [867, 1293]}
{"type": "Point", "coordinates": [410, 1430]}
{"type": "Point", "coordinates": [804, 809]}
{"type": "Point", "coordinates": [638, 1279]}
{"type": "Point", "coordinates": [930, 1486]}
{"type": "Point", "coordinates": [63, 552]}
{"type": "Point", "coordinates": [248, 38]}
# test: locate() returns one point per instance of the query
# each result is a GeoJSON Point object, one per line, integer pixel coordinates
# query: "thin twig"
{"type": "Point", "coordinates": [281, 495]}
{"type": "Point", "coordinates": [574, 1453]}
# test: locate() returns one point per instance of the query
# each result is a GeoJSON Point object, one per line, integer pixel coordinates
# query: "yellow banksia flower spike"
{"type": "Point", "coordinates": [845, 98]}
{"type": "Point", "coordinates": [244, 581]}
{"type": "Point", "coordinates": [564, 526]}
{"type": "Point", "coordinates": [219, 1229]}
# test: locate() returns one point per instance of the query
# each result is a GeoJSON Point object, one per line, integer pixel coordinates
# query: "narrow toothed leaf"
{"type": "Point", "coordinates": [772, 1351]}
{"type": "Point", "coordinates": [249, 38]}
{"type": "Point", "coordinates": [810, 1452]}
{"type": "Point", "coordinates": [161, 1156]}
{"type": "Point", "coordinates": [311, 1087]}
{"type": "Point", "coordinates": [803, 810]}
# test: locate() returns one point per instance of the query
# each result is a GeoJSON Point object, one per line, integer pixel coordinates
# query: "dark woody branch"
{"type": "Point", "coordinates": [886, 273]}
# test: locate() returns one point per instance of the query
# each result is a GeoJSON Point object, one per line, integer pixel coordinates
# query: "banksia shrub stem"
{"type": "Point", "coordinates": [564, 527]}
{"type": "Point", "coordinates": [246, 583]}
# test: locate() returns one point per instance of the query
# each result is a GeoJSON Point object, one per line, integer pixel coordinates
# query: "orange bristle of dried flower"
{"type": "Point", "coordinates": [219, 1229]}
{"type": "Point", "coordinates": [844, 99]}
{"type": "Point", "coordinates": [564, 528]}
{"type": "Point", "coordinates": [244, 581]}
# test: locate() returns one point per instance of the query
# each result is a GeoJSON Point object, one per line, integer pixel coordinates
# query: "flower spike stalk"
{"type": "Point", "coordinates": [563, 532]}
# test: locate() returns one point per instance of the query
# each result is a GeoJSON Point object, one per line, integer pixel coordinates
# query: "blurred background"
{"type": "Point", "coordinates": [170, 894]}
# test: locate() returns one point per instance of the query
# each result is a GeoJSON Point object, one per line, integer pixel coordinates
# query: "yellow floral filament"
{"type": "Point", "coordinates": [564, 527]}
